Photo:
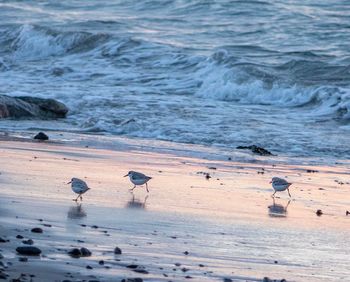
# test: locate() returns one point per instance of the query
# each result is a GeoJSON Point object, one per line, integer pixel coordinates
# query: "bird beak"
{"type": "Point", "coordinates": [270, 182]}
{"type": "Point", "coordinates": [125, 175]}
{"type": "Point", "coordinates": [69, 182]}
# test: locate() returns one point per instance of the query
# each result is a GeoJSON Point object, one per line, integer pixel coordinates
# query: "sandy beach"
{"type": "Point", "coordinates": [187, 228]}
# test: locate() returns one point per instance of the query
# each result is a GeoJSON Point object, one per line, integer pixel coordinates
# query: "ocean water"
{"type": "Point", "coordinates": [213, 73]}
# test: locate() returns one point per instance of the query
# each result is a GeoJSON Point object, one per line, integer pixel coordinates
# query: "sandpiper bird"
{"type": "Point", "coordinates": [138, 178]}
{"type": "Point", "coordinates": [79, 187]}
{"type": "Point", "coordinates": [280, 184]}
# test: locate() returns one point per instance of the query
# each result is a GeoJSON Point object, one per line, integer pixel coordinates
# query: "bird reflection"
{"type": "Point", "coordinates": [136, 204]}
{"type": "Point", "coordinates": [278, 210]}
{"type": "Point", "coordinates": [76, 212]}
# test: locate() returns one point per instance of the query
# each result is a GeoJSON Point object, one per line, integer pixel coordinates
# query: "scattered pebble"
{"type": "Point", "coordinates": [2, 240]}
{"type": "Point", "coordinates": [28, 242]}
{"type": "Point", "coordinates": [41, 136]}
{"type": "Point", "coordinates": [132, 280]}
{"type": "Point", "coordinates": [319, 212]}
{"type": "Point", "coordinates": [228, 280]}
{"type": "Point", "coordinates": [347, 213]}
{"type": "Point", "coordinates": [28, 250]}
{"type": "Point", "coordinates": [186, 253]}
{"type": "Point", "coordinates": [19, 237]}
{"type": "Point", "coordinates": [37, 230]}
{"type": "Point", "coordinates": [117, 251]}
{"type": "Point", "coordinates": [22, 259]}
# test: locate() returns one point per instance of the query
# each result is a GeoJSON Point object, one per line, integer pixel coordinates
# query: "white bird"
{"type": "Point", "coordinates": [79, 187]}
{"type": "Point", "coordinates": [138, 178]}
{"type": "Point", "coordinates": [280, 184]}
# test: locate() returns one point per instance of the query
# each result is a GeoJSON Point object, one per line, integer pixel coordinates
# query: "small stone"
{"type": "Point", "coordinates": [37, 230]}
{"type": "Point", "coordinates": [347, 213]}
{"type": "Point", "coordinates": [117, 251]}
{"type": "Point", "coordinates": [178, 264]}
{"type": "Point", "coordinates": [75, 253]}
{"type": "Point", "coordinates": [19, 237]}
{"type": "Point", "coordinates": [41, 136]}
{"type": "Point", "coordinates": [132, 280]}
{"type": "Point", "coordinates": [319, 212]}
{"type": "Point", "coordinates": [227, 280]}
{"type": "Point", "coordinates": [188, 277]}
{"type": "Point", "coordinates": [94, 226]}
{"type": "Point", "coordinates": [28, 242]}
{"type": "Point", "coordinates": [143, 271]}
{"type": "Point", "coordinates": [28, 250]}
{"type": "Point", "coordinates": [132, 266]}
{"type": "Point", "coordinates": [88, 267]}
{"type": "Point", "coordinates": [101, 262]}
{"type": "Point", "coordinates": [186, 253]}
{"type": "Point", "coordinates": [85, 252]}
{"type": "Point", "coordinates": [2, 240]}
{"type": "Point", "coordinates": [23, 259]}
{"type": "Point", "coordinates": [184, 269]}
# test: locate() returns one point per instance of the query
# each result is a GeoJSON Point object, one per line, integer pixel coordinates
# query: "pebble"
{"type": "Point", "coordinates": [85, 252]}
{"type": "Point", "coordinates": [117, 251]}
{"type": "Point", "coordinates": [2, 240]}
{"type": "Point", "coordinates": [319, 212]}
{"type": "Point", "coordinates": [132, 280]}
{"type": "Point", "coordinates": [22, 259]}
{"type": "Point", "coordinates": [37, 230]}
{"type": "Point", "coordinates": [28, 242]}
{"type": "Point", "coordinates": [227, 280]}
{"type": "Point", "coordinates": [19, 237]}
{"type": "Point", "coordinates": [41, 136]}
{"type": "Point", "coordinates": [28, 250]}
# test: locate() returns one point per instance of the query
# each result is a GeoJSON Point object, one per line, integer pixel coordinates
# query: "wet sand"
{"type": "Point", "coordinates": [186, 228]}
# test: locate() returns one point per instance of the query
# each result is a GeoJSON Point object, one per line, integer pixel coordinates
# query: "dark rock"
{"type": "Point", "coordinates": [31, 107]}
{"type": "Point", "coordinates": [311, 171]}
{"type": "Point", "coordinates": [256, 150]}
{"type": "Point", "coordinates": [2, 240]}
{"type": "Point", "coordinates": [37, 230]}
{"type": "Point", "coordinates": [28, 242]}
{"type": "Point", "coordinates": [186, 253]}
{"type": "Point", "coordinates": [227, 280]}
{"type": "Point", "coordinates": [132, 280]}
{"type": "Point", "coordinates": [143, 271]}
{"type": "Point", "coordinates": [3, 276]}
{"type": "Point", "coordinates": [188, 277]}
{"type": "Point", "coordinates": [88, 267]}
{"type": "Point", "coordinates": [1, 256]}
{"type": "Point", "coordinates": [23, 259]}
{"type": "Point", "coordinates": [117, 251]}
{"type": "Point", "coordinates": [132, 266]}
{"type": "Point", "coordinates": [28, 250]}
{"type": "Point", "coordinates": [41, 136]}
{"type": "Point", "coordinates": [85, 252]}
{"type": "Point", "coordinates": [101, 262]}
{"type": "Point", "coordinates": [19, 237]}
{"type": "Point", "coordinates": [347, 213]}
{"type": "Point", "coordinates": [319, 212]}
{"type": "Point", "coordinates": [75, 253]}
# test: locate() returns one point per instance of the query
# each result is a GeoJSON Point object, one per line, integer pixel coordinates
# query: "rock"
{"type": "Point", "coordinates": [31, 107]}
{"type": "Point", "coordinates": [37, 230]}
{"type": "Point", "coordinates": [28, 250]}
{"type": "Point", "coordinates": [143, 271]}
{"type": "Point", "coordinates": [256, 150]}
{"type": "Point", "coordinates": [75, 253]}
{"type": "Point", "coordinates": [28, 242]}
{"type": "Point", "coordinates": [23, 259]}
{"type": "Point", "coordinates": [19, 237]}
{"type": "Point", "coordinates": [132, 266]}
{"type": "Point", "coordinates": [88, 267]}
{"type": "Point", "coordinates": [117, 251]}
{"type": "Point", "coordinates": [132, 280]}
{"type": "Point", "coordinates": [101, 262]}
{"type": "Point", "coordinates": [3, 276]}
{"type": "Point", "coordinates": [227, 280]}
{"type": "Point", "coordinates": [85, 252]}
{"type": "Point", "coordinates": [2, 240]}
{"type": "Point", "coordinates": [319, 212]}
{"type": "Point", "coordinates": [1, 256]}
{"type": "Point", "coordinates": [41, 136]}
{"type": "Point", "coordinates": [186, 253]}
{"type": "Point", "coordinates": [347, 213]}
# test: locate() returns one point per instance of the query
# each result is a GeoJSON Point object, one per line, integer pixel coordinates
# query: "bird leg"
{"type": "Point", "coordinates": [273, 195]}
{"type": "Point", "coordinates": [289, 193]}
{"type": "Point", "coordinates": [132, 189]}
{"type": "Point", "coordinates": [147, 188]}
{"type": "Point", "coordinates": [81, 197]}
{"type": "Point", "coordinates": [76, 200]}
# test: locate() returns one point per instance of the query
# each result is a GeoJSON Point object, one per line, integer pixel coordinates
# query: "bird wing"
{"type": "Point", "coordinates": [139, 175]}
{"type": "Point", "coordinates": [281, 181]}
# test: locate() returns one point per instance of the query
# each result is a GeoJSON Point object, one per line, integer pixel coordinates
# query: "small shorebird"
{"type": "Point", "coordinates": [138, 178]}
{"type": "Point", "coordinates": [79, 187]}
{"type": "Point", "coordinates": [280, 184]}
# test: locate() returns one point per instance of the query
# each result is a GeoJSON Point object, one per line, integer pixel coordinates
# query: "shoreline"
{"type": "Point", "coordinates": [232, 211]}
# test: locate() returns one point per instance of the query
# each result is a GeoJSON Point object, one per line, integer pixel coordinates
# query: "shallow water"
{"type": "Point", "coordinates": [216, 73]}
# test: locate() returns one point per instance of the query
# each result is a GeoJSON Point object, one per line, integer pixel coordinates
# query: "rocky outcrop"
{"type": "Point", "coordinates": [31, 107]}
{"type": "Point", "coordinates": [256, 150]}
